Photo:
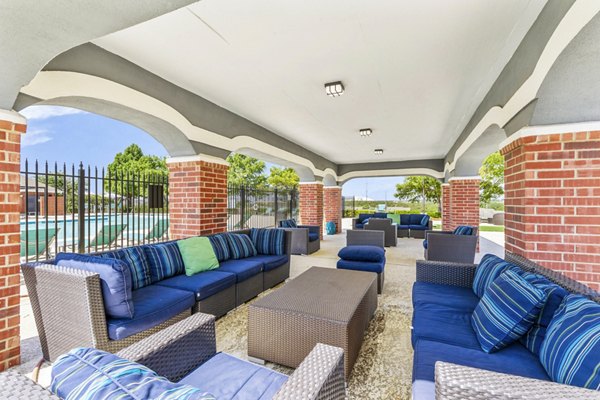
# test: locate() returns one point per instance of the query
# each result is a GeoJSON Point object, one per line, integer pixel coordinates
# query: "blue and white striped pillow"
{"type": "Point", "coordinates": [220, 246]}
{"type": "Point", "coordinates": [463, 230]}
{"type": "Point", "coordinates": [506, 311]}
{"type": "Point", "coordinates": [490, 267]}
{"type": "Point", "coordinates": [165, 260]}
{"type": "Point", "coordinates": [570, 352]}
{"type": "Point", "coordinates": [288, 223]}
{"type": "Point", "coordinates": [425, 219]}
{"type": "Point", "coordinates": [91, 374]}
{"type": "Point", "coordinates": [268, 241]}
{"type": "Point", "coordinates": [240, 245]}
{"type": "Point", "coordinates": [135, 259]}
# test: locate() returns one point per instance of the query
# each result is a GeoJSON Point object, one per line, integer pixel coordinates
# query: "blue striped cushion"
{"type": "Point", "coordinates": [570, 352]}
{"type": "Point", "coordinates": [425, 220]}
{"type": "Point", "coordinates": [165, 260]}
{"type": "Point", "coordinates": [220, 246]}
{"type": "Point", "coordinates": [490, 267]}
{"type": "Point", "coordinates": [463, 230]}
{"type": "Point", "coordinates": [135, 259]}
{"type": "Point", "coordinates": [268, 241]}
{"type": "Point", "coordinates": [90, 374]}
{"type": "Point", "coordinates": [240, 245]}
{"type": "Point", "coordinates": [288, 223]}
{"type": "Point", "coordinates": [506, 311]}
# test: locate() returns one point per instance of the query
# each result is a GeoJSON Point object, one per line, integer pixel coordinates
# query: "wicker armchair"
{"type": "Point", "coordinates": [445, 246]}
{"type": "Point", "coordinates": [385, 225]}
{"type": "Point", "coordinates": [300, 241]}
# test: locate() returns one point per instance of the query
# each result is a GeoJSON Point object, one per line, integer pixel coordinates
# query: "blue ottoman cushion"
{"type": "Point", "coordinates": [362, 253]}
{"type": "Point", "coordinates": [376, 267]}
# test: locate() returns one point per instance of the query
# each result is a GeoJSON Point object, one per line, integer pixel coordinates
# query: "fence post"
{"type": "Point", "coordinates": [242, 206]}
{"type": "Point", "coordinates": [81, 209]}
{"type": "Point", "coordinates": [291, 208]}
{"type": "Point", "coordinates": [353, 206]}
{"type": "Point", "coordinates": [276, 207]}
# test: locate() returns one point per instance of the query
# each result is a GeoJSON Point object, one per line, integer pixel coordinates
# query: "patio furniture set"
{"type": "Point", "coordinates": [407, 225]}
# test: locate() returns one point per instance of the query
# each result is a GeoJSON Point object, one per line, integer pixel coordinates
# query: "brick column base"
{"type": "Point", "coordinates": [552, 202]}
{"type": "Point", "coordinates": [197, 197]}
{"type": "Point", "coordinates": [464, 202]}
{"type": "Point", "coordinates": [311, 204]}
{"type": "Point", "coordinates": [332, 206]}
{"type": "Point", "coordinates": [446, 207]}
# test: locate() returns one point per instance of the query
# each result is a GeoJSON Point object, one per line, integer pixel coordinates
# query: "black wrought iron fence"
{"type": "Point", "coordinates": [348, 206]}
{"type": "Point", "coordinates": [84, 209]}
{"type": "Point", "coordinates": [251, 207]}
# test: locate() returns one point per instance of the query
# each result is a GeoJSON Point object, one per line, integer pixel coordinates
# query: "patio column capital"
{"type": "Point", "coordinates": [197, 157]}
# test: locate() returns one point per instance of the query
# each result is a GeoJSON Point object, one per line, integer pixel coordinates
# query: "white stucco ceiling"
{"type": "Point", "coordinates": [414, 71]}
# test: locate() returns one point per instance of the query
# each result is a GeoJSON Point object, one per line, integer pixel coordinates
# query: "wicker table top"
{"type": "Point", "coordinates": [327, 293]}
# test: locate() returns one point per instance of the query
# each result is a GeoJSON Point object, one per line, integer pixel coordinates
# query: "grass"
{"type": "Point", "coordinates": [491, 228]}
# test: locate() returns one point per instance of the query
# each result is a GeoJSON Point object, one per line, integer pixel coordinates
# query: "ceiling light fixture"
{"type": "Point", "coordinates": [366, 132]}
{"type": "Point", "coordinates": [379, 151]}
{"type": "Point", "coordinates": [334, 89]}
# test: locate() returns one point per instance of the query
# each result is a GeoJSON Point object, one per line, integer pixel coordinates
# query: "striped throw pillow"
{"type": "Point", "coordinates": [240, 246]}
{"type": "Point", "coordinates": [570, 352]}
{"type": "Point", "coordinates": [220, 246]}
{"type": "Point", "coordinates": [92, 374]}
{"type": "Point", "coordinates": [463, 230]}
{"type": "Point", "coordinates": [490, 267]}
{"type": "Point", "coordinates": [506, 311]}
{"type": "Point", "coordinates": [165, 260]}
{"type": "Point", "coordinates": [135, 259]}
{"type": "Point", "coordinates": [268, 241]}
{"type": "Point", "coordinates": [288, 223]}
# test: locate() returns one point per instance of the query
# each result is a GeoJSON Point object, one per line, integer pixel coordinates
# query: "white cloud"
{"type": "Point", "coordinates": [44, 112]}
{"type": "Point", "coordinates": [35, 136]}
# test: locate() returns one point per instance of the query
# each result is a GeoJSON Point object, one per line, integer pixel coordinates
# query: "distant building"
{"type": "Point", "coordinates": [33, 199]}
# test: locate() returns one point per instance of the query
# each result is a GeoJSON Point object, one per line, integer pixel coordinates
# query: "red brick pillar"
{"type": "Point", "coordinates": [552, 202]}
{"type": "Point", "coordinates": [332, 206]}
{"type": "Point", "coordinates": [197, 197]}
{"type": "Point", "coordinates": [12, 127]}
{"type": "Point", "coordinates": [446, 207]}
{"type": "Point", "coordinates": [311, 204]}
{"type": "Point", "coordinates": [464, 202]}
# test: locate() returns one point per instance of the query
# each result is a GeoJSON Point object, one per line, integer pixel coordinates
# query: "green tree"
{"type": "Point", "coordinates": [492, 179]}
{"type": "Point", "coordinates": [246, 171]}
{"type": "Point", "coordinates": [420, 188]}
{"type": "Point", "coordinates": [284, 178]}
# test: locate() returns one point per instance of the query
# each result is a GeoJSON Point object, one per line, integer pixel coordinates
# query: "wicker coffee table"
{"type": "Point", "coordinates": [323, 305]}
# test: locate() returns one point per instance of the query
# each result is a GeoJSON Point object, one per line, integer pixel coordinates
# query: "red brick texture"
{"type": "Point", "coordinates": [10, 154]}
{"type": "Point", "coordinates": [197, 198]}
{"type": "Point", "coordinates": [464, 202]}
{"type": "Point", "coordinates": [311, 205]}
{"type": "Point", "coordinates": [552, 202]}
{"type": "Point", "coordinates": [446, 207]}
{"type": "Point", "coordinates": [332, 206]}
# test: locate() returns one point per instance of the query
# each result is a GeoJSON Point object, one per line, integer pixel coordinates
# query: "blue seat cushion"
{"type": "Point", "coordinates": [515, 360]}
{"type": "Point", "coordinates": [443, 324]}
{"type": "Point", "coordinates": [227, 377]}
{"type": "Point", "coordinates": [418, 227]}
{"type": "Point", "coordinates": [268, 241]}
{"type": "Point", "coordinates": [362, 253]}
{"type": "Point", "coordinates": [456, 297]}
{"type": "Point", "coordinates": [203, 284]}
{"type": "Point", "coordinates": [368, 266]}
{"type": "Point", "coordinates": [313, 236]}
{"type": "Point", "coordinates": [359, 225]}
{"type": "Point", "coordinates": [403, 226]}
{"type": "Point", "coordinates": [242, 269]}
{"type": "Point", "coordinates": [153, 305]}
{"type": "Point", "coordinates": [271, 262]}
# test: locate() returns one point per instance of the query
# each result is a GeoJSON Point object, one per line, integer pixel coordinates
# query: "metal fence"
{"type": "Point", "coordinates": [251, 207]}
{"type": "Point", "coordinates": [348, 206]}
{"type": "Point", "coordinates": [83, 209]}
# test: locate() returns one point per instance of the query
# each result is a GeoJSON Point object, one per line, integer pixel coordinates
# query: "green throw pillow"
{"type": "Point", "coordinates": [198, 255]}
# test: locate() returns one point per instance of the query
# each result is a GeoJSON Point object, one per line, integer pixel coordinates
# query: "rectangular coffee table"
{"type": "Point", "coordinates": [322, 305]}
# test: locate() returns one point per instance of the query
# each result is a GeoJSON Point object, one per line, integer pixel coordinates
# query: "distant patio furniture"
{"type": "Point", "coordinates": [414, 225]}
{"type": "Point", "coordinates": [322, 305]}
{"type": "Point", "coordinates": [362, 219]}
{"type": "Point", "coordinates": [362, 237]}
{"type": "Point", "coordinates": [454, 246]}
{"type": "Point", "coordinates": [33, 245]}
{"type": "Point", "coordinates": [107, 235]}
{"type": "Point", "coordinates": [385, 225]}
{"type": "Point", "coordinates": [158, 231]}
{"type": "Point", "coordinates": [306, 239]}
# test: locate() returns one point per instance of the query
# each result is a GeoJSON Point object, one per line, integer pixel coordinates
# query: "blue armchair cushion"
{"type": "Point", "coordinates": [415, 219]}
{"type": "Point", "coordinates": [380, 215]}
{"type": "Point", "coordinates": [506, 311]}
{"type": "Point", "coordinates": [418, 227]}
{"type": "Point", "coordinates": [137, 262]}
{"type": "Point", "coordinates": [115, 280]}
{"type": "Point", "coordinates": [165, 260]}
{"type": "Point", "coordinates": [240, 246]}
{"type": "Point", "coordinates": [271, 262]}
{"type": "Point", "coordinates": [313, 236]}
{"type": "Point", "coordinates": [268, 241]}
{"type": "Point", "coordinates": [362, 253]}
{"type": "Point", "coordinates": [93, 374]}
{"type": "Point", "coordinates": [203, 284]}
{"type": "Point", "coordinates": [220, 246]}
{"type": "Point", "coordinates": [570, 353]}
{"type": "Point", "coordinates": [490, 267]}
{"type": "Point", "coordinates": [242, 269]}
{"type": "Point", "coordinates": [368, 266]}
{"type": "Point", "coordinates": [425, 220]}
{"type": "Point", "coordinates": [463, 230]}
{"type": "Point", "coordinates": [288, 223]}
{"type": "Point", "coordinates": [443, 323]}
{"type": "Point", "coordinates": [405, 219]}
{"type": "Point", "coordinates": [362, 217]}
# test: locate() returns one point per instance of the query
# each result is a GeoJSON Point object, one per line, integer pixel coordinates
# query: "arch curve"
{"type": "Point", "coordinates": [487, 143]}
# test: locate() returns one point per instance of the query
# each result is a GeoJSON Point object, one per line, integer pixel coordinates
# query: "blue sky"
{"type": "Point", "coordinates": [60, 134]}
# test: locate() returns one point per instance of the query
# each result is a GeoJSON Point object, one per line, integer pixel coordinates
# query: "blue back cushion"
{"type": "Point", "coordinates": [165, 260]}
{"type": "Point", "coordinates": [490, 267]}
{"type": "Point", "coordinates": [136, 261]}
{"type": "Point", "coordinates": [362, 253]}
{"type": "Point", "coordinates": [463, 230]}
{"type": "Point", "coordinates": [425, 220]}
{"type": "Point", "coordinates": [380, 215]}
{"type": "Point", "coordinates": [506, 311]}
{"type": "Point", "coordinates": [240, 245]}
{"type": "Point", "coordinates": [288, 223]}
{"type": "Point", "coordinates": [415, 219]}
{"type": "Point", "coordinates": [570, 352]}
{"type": "Point", "coordinates": [362, 217]}
{"type": "Point", "coordinates": [115, 279]}
{"type": "Point", "coordinates": [404, 219]}
{"type": "Point", "coordinates": [92, 374]}
{"type": "Point", "coordinates": [220, 246]}
{"type": "Point", "coordinates": [268, 241]}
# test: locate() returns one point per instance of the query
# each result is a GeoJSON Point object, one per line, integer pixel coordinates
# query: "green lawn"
{"type": "Point", "coordinates": [491, 228]}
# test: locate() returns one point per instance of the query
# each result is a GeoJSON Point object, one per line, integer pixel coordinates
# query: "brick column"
{"type": "Point", "coordinates": [552, 202]}
{"type": "Point", "coordinates": [12, 127]}
{"type": "Point", "coordinates": [197, 197]}
{"type": "Point", "coordinates": [464, 202]}
{"type": "Point", "coordinates": [332, 206]}
{"type": "Point", "coordinates": [311, 204]}
{"type": "Point", "coordinates": [446, 207]}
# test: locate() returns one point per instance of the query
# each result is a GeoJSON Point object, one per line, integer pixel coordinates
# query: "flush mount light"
{"type": "Point", "coordinates": [365, 132]}
{"type": "Point", "coordinates": [378, 151]}
{"type": "Point", "coordinates": [334, 89]}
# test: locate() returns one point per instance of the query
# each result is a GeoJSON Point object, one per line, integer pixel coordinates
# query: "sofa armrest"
{"type": "Point", "coordinates": [455, 248]}
{"type": "Point", "coordinates": [311, 228]}
{"type": "Point", "coordinates": [178, 349]}
{"type": "Point", "coordinates": [14, 385]}
{"type": "Point", "coordinates": [446, 273]}
{"type": "Point", "coordinates": [459, 382]}
{"type": "Point", "coordinates": [354, 222]}
{"type": "Point", "coordinates": [319, 377]}
{"type": "Point", "coordinates": [299, 240]}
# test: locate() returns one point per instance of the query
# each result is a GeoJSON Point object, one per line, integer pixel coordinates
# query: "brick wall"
{"type": "Point", "coordinates": [10, 150]}
{"type": "Point", "coordinates": [311, 204]}
{"type": "Point", "coordinates": [552, 202]}
{"type": "Point", "coordinates": [197, 198]}
{"type": "Point", "coordinates": [332, 206]}
{"type": "Point", "coordinates": [464, 202]}
{"type": "Point", "coordinates": [446, 207]}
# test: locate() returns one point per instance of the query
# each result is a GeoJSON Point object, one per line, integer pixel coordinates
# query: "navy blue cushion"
{"type": "Point", "coordinates": [463, 230]}
{"type": "Point", "coordinates": [380, 215]}
{"type": "Point", "coordinates": [456, 297]}
{"type": "Point", "coordinates": [425, 220]}
{"type": "Point", "coordinates": [359, 225]}
{"type": "Point", "coordinates": [203, 284]}
{"type": "Point", "coordinates": [362, 217]}
{"type": "Point", "coordinates": [135, 258]}
{"type": "Point", "coordinates": [240, 245]}
{"type": "Point", "coordinates": [368, 266]}
{"type": "Point", "coordinates": [444, 324]}
{"type": "Point", "coordinates": [362, 253]}
{"type": "Point", "coordinates": [271, 262]}
{"type": "Point", "coordinates": [268, 241]}
{"type": "Point", "coordinates": [366, 221]}
{"type": "Point", "coordinates": [425, 243]}
{"type": "Point", "coordinates": [228, 377]}
{"type": "Point", "coordinates": [418, 227]}
{"type": "Point", "coordinates": [570, 352]}
{"type": "Point", "coordinates": [312, 236]}
{"type": "Point", "coordinates": [243, 269]}
{"type": "Point", "coordinates": [115, 280]}
{"type": "Point", "coordinates": [93, 374]}
{"type": "Point", "coordinates": [220, 246]}
{"type": "Point", "coordinates": [404, 219]}
{"type": "Point", "coordinates": [288, 223]}
{"type": "Point", "coordinates": [153, 305]}
{"type": "Point", "coordinates": [403, 226]}
{"type": "Point", "coordinates": [415, 219]}
{"type": "Point", "coordinates": [164, 260]}
{"type": "Point", "coordinates": [490, 267]}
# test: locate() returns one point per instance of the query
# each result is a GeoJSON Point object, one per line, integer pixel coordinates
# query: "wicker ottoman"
{"type": "Point", "coordinates": [323, 305]}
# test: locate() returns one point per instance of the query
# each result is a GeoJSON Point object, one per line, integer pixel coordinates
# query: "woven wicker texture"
{"type": "Point", "coordinates": [248, 289]}
{"type": "Point", "coordinates": [456, 382]}
{"type": "Point", "coordinates": [276, 276]}
{"type": "Point", "coordinates": [446, 273]}
{"type": "Point", "coordinates": [14, 386]}
{"type": "Point", "coordinates": [218, 304]}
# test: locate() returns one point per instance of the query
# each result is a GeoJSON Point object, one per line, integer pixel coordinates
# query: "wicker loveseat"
{"type": "Point", "coordinates": [69, 307]}
{"type": "Point", "coordinates": [448, 360]}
